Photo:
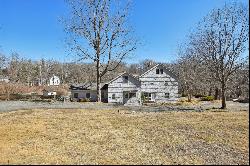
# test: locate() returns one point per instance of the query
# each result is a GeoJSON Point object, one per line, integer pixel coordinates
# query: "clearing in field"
{"type": "Point", "coordinates": [108, 137]}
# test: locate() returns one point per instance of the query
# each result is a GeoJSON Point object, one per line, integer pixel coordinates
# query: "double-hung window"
{"type": "Point", "coordinates": [167, 95]}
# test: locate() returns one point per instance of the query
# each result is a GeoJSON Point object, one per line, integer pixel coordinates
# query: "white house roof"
{"type": "Point", "coordinates": [85, 86]}
{"type": "Point", "coordinates": [172, 74]}
{"type": "Point", "coordinates": [136, 77]}
{"type": "Point", "coordinates": [122, 75]}
{"type": "Point", "coordinates": [151, 69]}
{"type": "Point", "coordinates": [55, 77]}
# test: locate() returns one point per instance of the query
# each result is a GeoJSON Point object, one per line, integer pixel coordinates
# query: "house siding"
{"type": "Point", "coordinates": [160, 84]}
{"type": "Point", "coordinates": [117, 87]}
{"type": "Point", "coordinates": [82, 94]}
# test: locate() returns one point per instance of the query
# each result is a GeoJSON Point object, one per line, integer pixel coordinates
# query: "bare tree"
{"type": "Point", "coordinates": [220, 41]}
{"type": "Point", "coordinates": [3, 60]}
{"type": "Point", "coordinates": [192, 76]}
{"type": "Point", "coordinates": [100, 33]}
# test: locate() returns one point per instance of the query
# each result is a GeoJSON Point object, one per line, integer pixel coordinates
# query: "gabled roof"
{"type": "Point", "coordinates": [85, 86]}
{"type": "Point", "coordinates": [152, 69]}
{"type": "Point", "coordinates": [122, 75]}
{"type": "Point", "coordinates": [161, 65]}
{"type": "Point", "coordinates": [136, 77]}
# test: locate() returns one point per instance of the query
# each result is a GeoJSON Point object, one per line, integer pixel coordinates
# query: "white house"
{"type": "Point", "coordinates": [54, 80]}
{"type": "Point", "coordinates": [157, 84]}
{"type": "Point", "coordinates": [124, 89]}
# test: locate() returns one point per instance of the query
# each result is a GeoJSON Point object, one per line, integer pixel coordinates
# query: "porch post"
{"type": "Point", "coordinates": [139, 93]}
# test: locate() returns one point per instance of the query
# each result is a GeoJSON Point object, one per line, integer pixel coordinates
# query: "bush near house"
{"type": "Point", "coordinates": [84, 100]}
{"type": "Point", "coordinates": [207, 98]}
{"type": "Point", "coordinates": [199, 96]}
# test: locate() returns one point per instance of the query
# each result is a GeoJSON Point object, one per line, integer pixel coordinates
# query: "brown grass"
{"type": "Point", "coordinates": [109, 137]}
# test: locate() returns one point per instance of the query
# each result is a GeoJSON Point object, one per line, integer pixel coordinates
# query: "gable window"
{"type": "Point", "coordinates": [161, 71]}
{"type": "Point", "coordinates": [87, 95]}
{"type": "Point", "coordinates": [75, 95]}
{"type": "Point", "coordinates": [167, 95]}
{"type": "Point", "coordinates": [157, 71]}
{"type": "Point", "coordinates": [166, 83]}
{"type": "Point", "coordinates": [113, 96]}
{"type": "Point", "coordinates": [125, 79]}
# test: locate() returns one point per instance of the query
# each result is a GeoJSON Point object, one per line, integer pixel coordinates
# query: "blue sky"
{"type": "Point", "coordinates": [32, 27]}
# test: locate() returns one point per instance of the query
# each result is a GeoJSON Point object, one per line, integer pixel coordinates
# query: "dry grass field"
{"type": "Point", "coordinates": [108, 137]}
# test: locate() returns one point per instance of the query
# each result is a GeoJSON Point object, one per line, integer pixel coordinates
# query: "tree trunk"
{"type": "Point", "coordinates": [98, 81]}
{"type": "Point", "coordinates": [223, 96]}
{"type": "Point", "coordinates": [99, 91]}
{"type": "Point", "coordinates": [210, 92]}
{"type": "Point", "coordinates": [189, 97]}
{"type": "Point", "coordinates": [216, 96]}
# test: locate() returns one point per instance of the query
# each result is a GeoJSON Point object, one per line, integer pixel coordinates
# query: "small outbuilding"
{"type": "Point", "coordinates": [88, 92]}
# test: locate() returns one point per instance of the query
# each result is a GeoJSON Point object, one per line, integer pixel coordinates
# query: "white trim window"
{"type": "Point", "coordinates": [159, 71]}
{"type": "Point", "coordinates": [76, 95]}
{"type": "Point", "coordinates": [148, 96]}
{"type": "Point", "coordinates": [88, 95]}
{"type": "Point", "coordinates": [167, 95]}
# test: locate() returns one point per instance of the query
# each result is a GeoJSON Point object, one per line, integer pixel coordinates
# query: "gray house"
{"type": "Point", "coordinates": [85, 91]}
{"type": "Point", "coordinates": [124, 89]}
{"type": "Point", "coordinates": [157, 84]}
{"type": "Point", "coordinates": [88, 92]}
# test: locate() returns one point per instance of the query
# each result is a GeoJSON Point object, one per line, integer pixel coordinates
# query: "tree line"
{"type": "Point", "coordinates": [195, 79]}
{"type": "Point", "coordinates": [18, 69]}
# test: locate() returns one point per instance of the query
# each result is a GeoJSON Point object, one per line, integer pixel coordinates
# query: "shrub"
{"type": "Point", "coordinates": [15, 96]}
{"type": "Point", "coordinates": [207, 98]}
{"type": "Point", "coordinates": [84, 100]}
{"type": "Point", "coordinates": [199, 96]}
{"type": "Point", "coordinates": [142, 97]}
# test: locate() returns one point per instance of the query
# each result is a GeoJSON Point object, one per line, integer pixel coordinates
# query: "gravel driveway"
{"type": "Point", "coordinates": [6, 106]}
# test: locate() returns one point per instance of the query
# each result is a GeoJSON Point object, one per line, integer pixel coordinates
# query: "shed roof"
{"type": "Point", "coordinates": [86, 86]}
{"type": "Point", "coordinates": [122, 75]}
{"type": "Point", "coordinates": [50, 88]}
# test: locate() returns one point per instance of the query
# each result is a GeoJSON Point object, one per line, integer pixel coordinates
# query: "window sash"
{"type": "Point", "coordinates": [157, 71]}
{"type": "Point", "coordinates": [167, 95]}
{"type": "Point", "coordinates": [161, 71]}
{"type": "Point", "coordinates": [75, 95]}
{"type": "Point", "coordinates": [87, 95]}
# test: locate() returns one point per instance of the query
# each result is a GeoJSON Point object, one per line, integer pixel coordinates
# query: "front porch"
{"type": "Point", "coordinates": [131, 98]}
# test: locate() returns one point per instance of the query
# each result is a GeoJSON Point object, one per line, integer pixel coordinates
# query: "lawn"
{"type": "Point", "coordinates": [112, 137]}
